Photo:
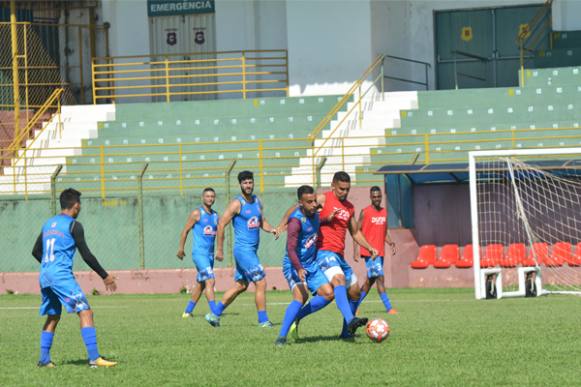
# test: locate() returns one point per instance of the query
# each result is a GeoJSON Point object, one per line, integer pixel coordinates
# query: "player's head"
{"type": "Point", "coordinates": [208, 196]}
{"type": "Point", "coordinates": [246, 180]}
{"type": "Point", "coordinates": [341, 185]}
{"type": "Point", "coordinates": [70, 200]}
{"type": "Point", "coordinates": [375, 196]}
{"type": "Point", "coordinates": [307, 199]}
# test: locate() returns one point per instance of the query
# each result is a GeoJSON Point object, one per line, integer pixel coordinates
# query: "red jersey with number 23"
{"type": "Point", "coordinates": [332, 235]}
{"type": "Point", "coordinates": [374, 227]}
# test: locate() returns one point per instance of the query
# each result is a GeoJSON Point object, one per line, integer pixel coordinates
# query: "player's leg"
{"type": "Point", "coordinates": [300, 296]}
{"type": "Point", "coordinates": [197, 290]}
{"type": "Point", "coordinates": [330, 265]}
{"type": "Point", "coordinates": [318, 284]}
{"type": "Point", "coordinates": [260, 298]}
{"type": "Point", "coordinates": [51, 307]}
{"type": "Point", "coordinates": [240, 286]}
{"type": "Point", "coordinates": [383, 296]}
{"type": "Point", "coordinates": [205, 272]}
{"type": "Point", "coordinates": [369, 281]}
{"type": "Point", "coordinates": [249, 268]}
{"type": "Point", "coordinates": [210, 296]}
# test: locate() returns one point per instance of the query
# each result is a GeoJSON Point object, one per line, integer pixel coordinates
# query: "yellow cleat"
{"type": "Point", "coordinates": [187, 315]}
{"type": "Point", "coordinates": [50, 364]}
{"type": "Point", "coordinates": [294, 330]}
{"type": "Point", "coordinates": [100, 362]}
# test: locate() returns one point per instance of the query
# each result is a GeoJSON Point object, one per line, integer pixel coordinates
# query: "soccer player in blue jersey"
{"type": "Point", "coordinates": [299, 265]}
{"type": "Point", "coordinates": [54, 249]}
{"type": "Point", "coordinates": [204, 223]}
{"type": "Point", "coordinates": [247, 215]}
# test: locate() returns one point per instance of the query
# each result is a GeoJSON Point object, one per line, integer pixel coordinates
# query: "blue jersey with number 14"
{"type": "Point", "coordinates": [58, 250]}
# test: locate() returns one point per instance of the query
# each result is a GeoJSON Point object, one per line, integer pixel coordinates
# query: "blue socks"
{"type": "Point", "coordinates": [45, 344]}
{"type": "Point", "coordinates": [262, 316]}
{"type": "Point", "coordinates": [90, 339]}
{"type": "Point", "coordinates": [353, 305]}
{"type": "Point", "coordinates": [219, 309]}
{"type": "Point", "coordinates": [362, 297]}
{"type": "Point", "coordinates": [289, 317]}
{"type": "Point", "coordinates": [190, 307]}
{"type": "Point", "coordinates": [316, 303]}
{"type": "Point", "coordinates": [212, 305]}
{"type": "Point", "coordinates": [343, 303]}
{"type": "Point", "coordinates": [385, 300]}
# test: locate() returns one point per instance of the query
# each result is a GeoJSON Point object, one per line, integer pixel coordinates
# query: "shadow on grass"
{"type": "Point", "coordinates": [320, 338]}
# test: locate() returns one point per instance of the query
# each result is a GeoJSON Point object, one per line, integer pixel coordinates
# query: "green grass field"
{"type": "Point", "coordinates": [440, 337]}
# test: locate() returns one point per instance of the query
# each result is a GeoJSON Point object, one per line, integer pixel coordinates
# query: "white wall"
{"type": "Point", "coordinates": [329, 44]}
{"type": "Point", "coordinates": [567, 15]}
{"type": "Point", "coordinates": [129, 32]}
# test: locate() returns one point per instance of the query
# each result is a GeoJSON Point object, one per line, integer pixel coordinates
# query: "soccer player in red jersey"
{"type": "Point", "coordinates": [337, 216]}
{"type": "Point", "coordinates": [373, 225]}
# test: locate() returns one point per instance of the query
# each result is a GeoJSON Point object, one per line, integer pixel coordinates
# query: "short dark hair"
{"type": "Point", "coordinates": [341, 176]}
{"type": "Point", "coordinates": [375, 189]}
{"type": "Point", "coordinates": [304, 189]}
{"type": "Point", "coordinates": [69, 197]}
{"type": "Point", "coordinates": [245, 175]}
{"type": "Point", "coordinates": [208, 189]}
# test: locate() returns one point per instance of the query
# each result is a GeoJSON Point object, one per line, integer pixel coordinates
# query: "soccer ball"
{"type": "Point", "coordinates": [377, 330]}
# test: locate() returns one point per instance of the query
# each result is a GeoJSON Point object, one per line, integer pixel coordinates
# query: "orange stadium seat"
{"type": "Point", "coordinates": [449, 255]}
{"type": "Point", "coordinates": [467, 258]}
{"type": "Point", "coordinates": [576, 258]}
{"type": "Point", "coordinates": [426, 257]}
{"type": "Point", "coordinates": [560, 254]}
{"type": "Point", "coordinates": [515, 255]}
{"type": "Point", "coordinates": [493, 255]}
{"type": "Point", "coordinates": [539, 253]}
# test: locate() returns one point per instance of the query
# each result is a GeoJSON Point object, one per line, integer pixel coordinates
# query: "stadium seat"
{"type": "Point", "coordinates": [576, 258]}
{"type": "Point", "coordinates": [515, 255]}
{"type": "Point", "coordinates": [560, 254]}
{"type": "Point", "coordinates": [538, 254]}
{"type": "Point", "coordinates": [449, 255]}
{"type": "Point", "coordinates": [465, 261]}
{"type": "Point", "coordinates": [493, 255]}
{"type": "Point", "coordinates": [426, 257]}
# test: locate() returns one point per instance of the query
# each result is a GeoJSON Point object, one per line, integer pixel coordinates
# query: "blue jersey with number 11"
{"type": "Point", "coordinates": [58, 249]}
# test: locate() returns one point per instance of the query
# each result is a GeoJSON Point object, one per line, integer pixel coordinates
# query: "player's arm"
{"type": "Point", "coordinates": [359, 238]}
{"type": "Point", "coordinates": [37, 249]}
{"type": "Point", "coordinates": [282, 225]}
{"type": "Point", "coordinates": [390, 241]}
{"type": "Point", "coordinates": [79, 236]}
{"type": "Point", "coordinates": [192, 220]}
{"type": "Point", "coordinates": [355, 244]}
{"type": "Point", "coordinates": [232, 210]}
{"type": "Point", "coordinates": [292, 241]}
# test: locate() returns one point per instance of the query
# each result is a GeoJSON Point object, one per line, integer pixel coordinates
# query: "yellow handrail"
{"type": "Point", "coordinates": [524, 36]}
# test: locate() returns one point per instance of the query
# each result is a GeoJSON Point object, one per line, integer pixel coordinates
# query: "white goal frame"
{"type": "Point", "coordinates": [479, 273]}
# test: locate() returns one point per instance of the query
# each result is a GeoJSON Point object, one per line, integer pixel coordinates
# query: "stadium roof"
{"type": "Point", "coordinates": [459, 172]}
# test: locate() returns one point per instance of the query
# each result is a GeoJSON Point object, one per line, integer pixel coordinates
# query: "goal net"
{"type": "Point", "coordinates": [526, 218]}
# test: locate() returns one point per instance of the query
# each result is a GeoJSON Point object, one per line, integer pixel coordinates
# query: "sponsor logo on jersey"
{"type": "Point", "coordinates": [378, 220]}
{"type": "Point", "coordinates": [253, 223]}
{"type": "Point", "coordinates": [310, 241]}
{"type": "Point", "coordinates": [341, 214]}
{"type": "Point", "coordinates": [53, 225]}
{"type": "Point", "coordinates": [209, 230]}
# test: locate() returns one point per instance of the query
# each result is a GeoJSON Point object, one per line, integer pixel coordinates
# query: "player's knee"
{"type": "Point", "coordinates": [338, 280]}
{"type": "Point", "coordinates": [328, 294]}
{"type": "Point", "coordinates": [53, 318]}
{"type": "Point", "coordinates": [241, 286]}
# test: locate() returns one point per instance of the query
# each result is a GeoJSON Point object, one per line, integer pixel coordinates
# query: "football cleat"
{"type": "Point", "coordinates": [187, 315]}
{"type": "Point", "coordinates": [213, 320]}
{"type": "Point", "coordinates": [294, 330]}
{"type": "Point", "coordinates": [266, 324]}
{"type": "Point", "coordinates": [392, 311]}
{"type": "Point", "coordinates": [49, 364]}
{"type": "Point", "coordinates": [280, 342]}
{"type": "Point", "coordinates": [355, 324]}
{"type": "Point", "coordinates": [100, 362]}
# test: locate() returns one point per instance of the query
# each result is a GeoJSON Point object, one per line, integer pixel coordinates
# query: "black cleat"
{"type": "Point", "coordinates": [356, 323]}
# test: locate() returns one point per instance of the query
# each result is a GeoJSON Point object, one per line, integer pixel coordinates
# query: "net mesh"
{"type": "Point", "coordinates": [529, 215]}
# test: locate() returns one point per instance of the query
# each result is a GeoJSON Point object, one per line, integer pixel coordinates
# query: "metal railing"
{"type": "Point", "coordinates": [190, 166]}
{"type": "Point", "coordinates": [171, 77]}
{"type": "Point", "coordinates": [536, 30]}
{"type": "Point", "coordinates": [425, 65]}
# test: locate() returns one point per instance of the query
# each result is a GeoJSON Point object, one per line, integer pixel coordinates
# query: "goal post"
{"type": "Point", "coordinates": [525, 208]}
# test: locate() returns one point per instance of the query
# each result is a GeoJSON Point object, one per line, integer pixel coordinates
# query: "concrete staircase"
{"type": "Point", "coordinates": [349, 146]}
{"type": "Point", "coordinates": [30, 171]}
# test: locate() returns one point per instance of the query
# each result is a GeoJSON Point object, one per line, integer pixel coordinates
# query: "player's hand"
{"type": "Point", "coordinates": [110, 283]}
{"type": "Point", "coordinates": [393, 247]}
{"type": "Point", "coordinates": [181, 254]}
{"type": "Point", "coordinates": [276, 233]}
{"type": "Point", "coordinates": [219, 256]}
{"type": "Point", "coordinates": [302, 275]}
{"type": "Point", "coordinates": [373, 252]}
{"type": "Point", "coordinates": [332, 214]}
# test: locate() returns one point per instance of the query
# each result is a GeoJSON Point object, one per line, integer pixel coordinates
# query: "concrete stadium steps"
{"type": "Point", "coordinates": [566, 39]}
{"type": "Point", "coordinates": [52, 146]}
{"type": "Point", "coordinates": [559, 76]}
{"type": "Point", "coordinates": [379, 111]}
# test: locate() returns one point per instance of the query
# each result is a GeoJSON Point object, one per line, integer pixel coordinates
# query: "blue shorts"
{"type": "Point", "coordinates": [374, 266]}
{"type": "Point", "coordinates": [63, 292]}
{"type": "Point", "coordinates": [314, 278]}
{"type": "Point", "coordinates": [330, 262]}
{"type": "Point", "coordinates": [205, 266]}
{"type": "Point", "coordinates": [248, 267]}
